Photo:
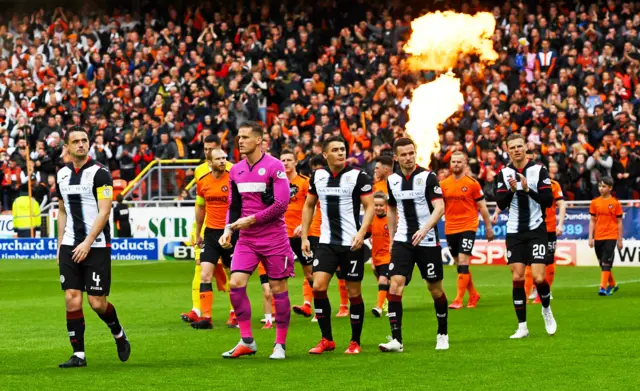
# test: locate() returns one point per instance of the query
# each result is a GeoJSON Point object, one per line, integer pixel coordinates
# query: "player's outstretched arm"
{"type": "Point", "coordinates": [562, 212]}
{"type": "Point", "coordinates": [62, 223]}
{"type": "Point", "coordinates": [367, 203]}
{"type": "Point", "coordinates": [484, 212]}
{"type": "Point", "coordinates": [392, 221]}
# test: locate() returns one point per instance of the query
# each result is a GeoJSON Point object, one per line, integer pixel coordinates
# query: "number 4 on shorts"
{"type": "Point", "coordinates": [96, 278]}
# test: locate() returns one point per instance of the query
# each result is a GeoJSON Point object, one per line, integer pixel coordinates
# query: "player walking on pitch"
{"type": "Point", "coordinates": [85, 190]}
{"type": "Point", "coordinates": [212, 189]}
{"type": "Point", "coordinates": [341, 189]}
{"type": "Point", "coordinates": [525, 188]}
{"type": "Point", "coordinates": [380, 254]}
{"type": "Point", "coordinates": [605, 233]}
{"type": "Point", "coordinates": [463, 199]}
{"type": "Point", "coordinates": [258, 199]}
{"type": "Point", "coordinates": [416, 206]}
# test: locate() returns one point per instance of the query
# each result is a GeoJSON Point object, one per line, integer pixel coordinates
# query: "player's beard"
{"type": "Point", "coordinates": [457, 171]}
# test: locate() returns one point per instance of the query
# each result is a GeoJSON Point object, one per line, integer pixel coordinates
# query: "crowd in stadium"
{"type": "Point", "coordinates": [152, 85]}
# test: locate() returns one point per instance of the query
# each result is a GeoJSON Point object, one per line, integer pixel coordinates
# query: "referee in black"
{"type": "Point", "coordinates": [84, 189]}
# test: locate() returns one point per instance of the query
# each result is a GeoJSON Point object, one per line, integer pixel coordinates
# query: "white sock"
{"type": "Point", "coordinates": [79, 354]}
{"type": "Point", "coordinates": [522, 326]}
{"type": "Point", "coordinates": [197, 311]}
{"type": "Point", "coordinates": [267, 317]}
{"type": "Point", "coordinates": [546, 310]}
{"type": "Point", "coordinates": [307, 303]}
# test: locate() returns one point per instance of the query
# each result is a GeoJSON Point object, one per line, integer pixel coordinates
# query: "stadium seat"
{"type": "Point", "coordinates": [118, 186]}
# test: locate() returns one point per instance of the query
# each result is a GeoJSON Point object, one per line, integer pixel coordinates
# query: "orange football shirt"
{"type": "Point", "coordinates": [380, 241]}
{"type": "Point", "coordinates": [215, 193]}
{"type": "Point", "coordinates": [606, 211]}
{"type": "Point", "coordinates": [314, 230]}
{"type": "Point", "coordinates": [460, 209]}
{"type": "Point", "coordinates": [381, 186]}
{"type": "Point", "coordinates": [298, 189]}
{"type": "Point", "coordinates": [550, 213]}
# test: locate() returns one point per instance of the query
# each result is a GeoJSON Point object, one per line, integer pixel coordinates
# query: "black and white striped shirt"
{"type": "Point", "coordinates": [526, 209]}
{"type": "Point", "coordinates": [80, 191]}
{"type": "Point", "coordinates": [339, 197]}
{"type": "Point", "coordinates": [413, 197]}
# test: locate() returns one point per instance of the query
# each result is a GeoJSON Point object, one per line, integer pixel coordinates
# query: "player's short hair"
{"type": "Point", "coordinates": [255, 127]}
{"type": "Point", "coordinates": [385, 160]}
{"type": "Point", "coordinates": [516, 136]}
{"type": "Point", "coordinates": [317, 160]}
{"type": "Point", "coordinates": [380, 195]}
{"type": "Point", "coordinates": [209, 155]}
{"type": "Point", "coordinates": [212, 138]}
{"type": "Point", "coordinates": [287, 152]}
{"type": "Point", "coordinates": [402, 142]}
{"type": "Point", "coordinates": [461, 154]}
{"type": "Point", "coordinates": [72, 130]}
{"type": "Point", "coordinates": [607, 180]}
{"type": "Point", "coordinates": [334, 139]}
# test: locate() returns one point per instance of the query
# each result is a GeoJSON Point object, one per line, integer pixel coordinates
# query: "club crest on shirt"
{"type": "Point", "coordinates": [464, 189]}
{"type": "Point", "coordinates": [386, 227]}
{"type": "Point", "coordinates": [224, 189]}
{"type": "Point", "coordinates": [610, 206]}
{"type": "Point", "coordinates": [261, 171]}
{"type": "Point", "coordinates": [293, 191]}
{"type": "Point", "coordinates": [419, 182]}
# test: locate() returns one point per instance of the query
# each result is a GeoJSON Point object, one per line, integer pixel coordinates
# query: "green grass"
{"type": "Point", "coordinates": [596, 346]}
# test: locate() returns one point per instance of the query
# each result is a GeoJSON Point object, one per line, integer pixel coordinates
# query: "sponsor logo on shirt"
{"type": "Point", "coordinates": [76, 189]}
{"type": "Point", "coordinates": [437, 190]}
{"type": "Point", "coordinates": [409, 194]}
{"type": "Point", "coordinates": [252, 187]}
{"type": "Point", "coordinates": [335, 191]}
{"type": "Point", "coordinates": [547, 181]}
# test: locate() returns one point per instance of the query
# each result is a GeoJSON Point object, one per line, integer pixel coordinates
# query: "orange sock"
{"type": "Point", "coordinates": [307, 292]}
{"type": "Point", "coordinates": [528, 281]}
{"type": "Point", "coordinates": [472, 289]}
{"type": "Point", "coordinates": [206, 300]}
{"type": "Point", "coordinates": [612, 281]}
{"type": "Point", "coordinates": [463, 281]}
{"type": "Point", "coordinates": [550, 274]}
{"type": "Point", "coordinates": [382, 296]}
{"type": "Point", "coordinates": [604, 279]}
{"type": "Point", "coordinates": [344, 296]}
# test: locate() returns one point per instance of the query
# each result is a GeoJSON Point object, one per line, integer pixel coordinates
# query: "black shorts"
{"type": "Point", "coordinates": [329, 258]}
{"type": "Point", "coordinates": [528, 247]}
{"type": "Point", "coordinates": [461, 243]}
{"type": "Point", "coordinates": [552, 241]}
{"type": "Point", "coordinates": [605, 251]}
{"type": "Point", "coordinates": [93, 275]}
{"type": "Point", "coordinates": [296, 246]}
{"type": "Point", "coordinates": [382, 270]}
{"type": "Point", "coordinates": [212, 251]}
{"type": "Point", "coordinates": [404, 256]}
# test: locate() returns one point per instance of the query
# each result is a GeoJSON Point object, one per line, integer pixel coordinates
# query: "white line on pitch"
{"type": "Point", "coordinates": [617, 282]}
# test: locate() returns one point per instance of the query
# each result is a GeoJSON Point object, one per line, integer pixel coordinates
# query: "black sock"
{"type": "Point", "coordinates": [323, 313]}
{"type": "Point", "coordinates": [463, 269]}
{"type": "Point", "coordinates": [75, 327]}
{"type": "Point", "coordinates": [395, 316]}
{"type": "Point", "coordinates": [520, 301]}
{"type": "Point", "coordinates": [383, 287]}
{"type": "Point", "coordinates": [206, 287]}
{"type": "Point", "coordinates": [356, 312]}
{"type": "Point", "coordinates": [442, 313]}
{"type": "Point", "coordinates": [111, 319]}
{"type": "Point", "coordinates": [545, 293]}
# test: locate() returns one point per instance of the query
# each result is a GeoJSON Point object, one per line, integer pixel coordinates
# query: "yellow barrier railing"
{"type": "Point", "coordinates": [149, 166]}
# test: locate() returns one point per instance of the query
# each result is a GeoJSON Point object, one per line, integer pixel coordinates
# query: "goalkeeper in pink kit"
{"type": "Point", "coordinates": [258, 199]}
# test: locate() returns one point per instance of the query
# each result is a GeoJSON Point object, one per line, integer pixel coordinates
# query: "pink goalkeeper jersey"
{"type": "Point", "coordinates": [249, 187]}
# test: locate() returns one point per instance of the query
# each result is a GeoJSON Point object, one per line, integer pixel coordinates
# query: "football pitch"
{"type": "Point", "coordinates": [596, 347]}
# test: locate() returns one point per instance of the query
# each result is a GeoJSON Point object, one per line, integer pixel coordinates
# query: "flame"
{"type": "Point", "coordinates": [437, 41]}
{"type": "Point", "coordinates": [431, 104]}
